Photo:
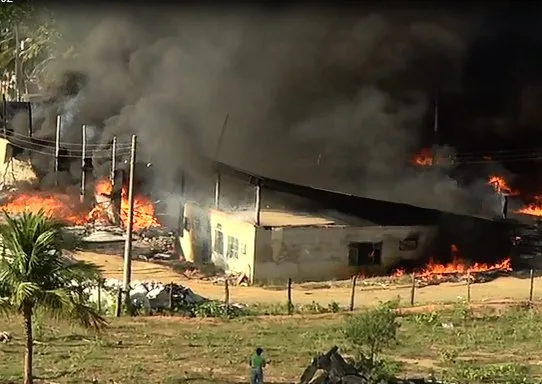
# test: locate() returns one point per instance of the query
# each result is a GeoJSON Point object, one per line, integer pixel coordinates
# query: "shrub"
{"type": "Point", "coordinates": [370, 331]}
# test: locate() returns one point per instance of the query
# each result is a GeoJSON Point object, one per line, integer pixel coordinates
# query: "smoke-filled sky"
{"type": "Point", "coordinates": [339, 99]}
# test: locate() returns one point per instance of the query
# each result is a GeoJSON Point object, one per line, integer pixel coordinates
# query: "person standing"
{"type": "Point", "coordinates": [257, 364]}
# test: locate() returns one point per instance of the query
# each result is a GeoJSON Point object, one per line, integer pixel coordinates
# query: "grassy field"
{"type": "Point", "coordinates": [472, 346]}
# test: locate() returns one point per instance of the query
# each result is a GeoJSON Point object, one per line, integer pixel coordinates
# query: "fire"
{"type": "Point", "coordinates": [501, 186]}
{"type": "Point", "coordinates": [144, 213]}
{"type": "Point", "coordinates": [533, 209]}
{"type": "Point", "coordinates": [56, 205]}
{"type": "Point", "coordinates": [69, 209]}
{"type": "Point", "coordinates": [424, 158]}
{"type": "Point", "coordinates": [458, 266]}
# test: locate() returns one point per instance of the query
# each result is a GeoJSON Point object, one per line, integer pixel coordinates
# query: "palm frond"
{"type": "Point", "coordinates": [63, 304]}
{"type": "Point", "coordinates": [25, 292]}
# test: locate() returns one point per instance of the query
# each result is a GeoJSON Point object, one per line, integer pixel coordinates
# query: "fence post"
{"type": "Point", "coordinates": [119, 303]}
{"type": "Point", "coordinates": [531, 289]}
{"type": "Point", "coordinates": [99, 296]}
{"type": "Point", "coordinates": [412, 289]}
{"type": "Point", "coordinates": [353, 294]}
{"type": "Point", "coordinates": [290, 305]}
{"type": "Point", "coordinates": [468, 286]}
{"type": "Point", "coordinates": [170, 296]}
{"type": "Point", "coordinates": [227, 293]}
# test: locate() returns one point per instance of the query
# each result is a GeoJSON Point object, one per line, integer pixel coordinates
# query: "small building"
{"type": "Point", "coordinates": [299, 245]}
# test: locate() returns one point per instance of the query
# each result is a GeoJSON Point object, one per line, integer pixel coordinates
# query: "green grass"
{"type": "Point", "coordinates": [479, 347]}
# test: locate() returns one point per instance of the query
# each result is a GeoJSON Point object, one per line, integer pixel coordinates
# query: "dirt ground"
{"type": "Point", "coordinates": [504, 288]}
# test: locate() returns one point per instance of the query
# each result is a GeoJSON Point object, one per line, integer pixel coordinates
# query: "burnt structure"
{"type": "Point", "coordinates": [478, 239]}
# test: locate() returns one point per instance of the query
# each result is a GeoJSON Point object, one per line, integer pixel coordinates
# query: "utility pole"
{"type": "Point", "coordinates": [113, 161]}
{"type": "Point", "coordinates": [83, 158]}
{"type": "Point", "coordinates": [116, 192]}
{"type": "Point", "coordinates": [258, 202]}
{"type": "Point", "coordinates": [17, 63]}
{"type": "Point", "coordinates": [57, 143]}
{"type": "Point", "coordinates": [129, 225]}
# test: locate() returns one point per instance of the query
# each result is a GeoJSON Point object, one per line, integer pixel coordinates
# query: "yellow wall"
{"type": "Point", "coordinates": [300, 253]}
{"type": "Point", "coordinates": [321, 253]}
{"type": "Point", "coordinates": [202, 226]}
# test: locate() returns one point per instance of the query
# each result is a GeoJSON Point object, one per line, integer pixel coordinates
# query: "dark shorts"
{"type": "Point", "coordinates": [256, 376]}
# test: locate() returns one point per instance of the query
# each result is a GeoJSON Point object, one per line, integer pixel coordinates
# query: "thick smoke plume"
{"type": "Point", "coordinates": [338, 100]}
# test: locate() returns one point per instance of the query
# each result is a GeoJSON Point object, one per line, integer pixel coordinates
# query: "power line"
{"type": "Point", "coordinates": [20, 136]}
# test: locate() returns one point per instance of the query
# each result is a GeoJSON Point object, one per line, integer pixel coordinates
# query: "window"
{"type": "Point", "coordinates": [243, 248]}
{"type": "Point", "coordinates": [233, 248]}
{"type": "Point", "coordinates": [360, 254]}
{"type": "Point", "coordinates": [219, 241]}
{"type": "Point", "coordinates": [409, 243]}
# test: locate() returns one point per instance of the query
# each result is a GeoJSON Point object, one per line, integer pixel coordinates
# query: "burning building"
{"type": "Point", "coordinates": [299, 232]}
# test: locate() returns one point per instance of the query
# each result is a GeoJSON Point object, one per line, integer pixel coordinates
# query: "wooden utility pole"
{"type": "Point", "coordinates": [57, 143]}
{"type": "Point", "coordinates": [83, 158]}
{"type": "Point", "coordinates": [129, 225]}
{"type": "Point", "coordinates": [258, 202]}
{"type": "Point", "coordinates": [113, 161]}
{"type": "Point", "coordinates": [17, 63]}
{"type": "Point", "coordinates": [217, 190]}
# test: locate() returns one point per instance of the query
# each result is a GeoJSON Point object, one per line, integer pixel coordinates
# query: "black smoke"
{"type": "Point", "coordinates": [336, 98]}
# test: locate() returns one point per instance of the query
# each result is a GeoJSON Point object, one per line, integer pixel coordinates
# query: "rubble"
{"type": "Point", "coordinates": [332, 368]}
{"type": "Point", "coordinates": [234, 278]}
{"type": "Point", "coordinates": [148, 244]}
{"type": "Point", "coordinates": [148, 295]}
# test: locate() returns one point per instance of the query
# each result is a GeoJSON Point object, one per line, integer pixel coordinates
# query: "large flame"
{"type": "Point", "coordinates": [501, 186]}
{"type": "Point", "coordinates": [56, 205]}
{"type": "Point", "coordinates": [436, 271]}
{"type": "Point", "coordinates": [144, 213]}
{"type": "Point", "coordinates": [68, 208]}
{"type": "Point", "coordinates": [424, 158]}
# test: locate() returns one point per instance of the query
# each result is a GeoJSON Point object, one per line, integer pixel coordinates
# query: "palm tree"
{"type": "Point", "coordinates": [34, 275]}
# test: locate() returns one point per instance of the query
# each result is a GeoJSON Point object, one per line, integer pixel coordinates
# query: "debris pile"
{"type": "Point", "coordinates": [148, 296]}
{"type": "Point", "coordinates": [476, 277]}
{"type": "Point", "coordinates": [234, 278]}
{"type": "Point", "coordinates": [332, 368]}
{"type": "Point", "coordinates": [148, 244]}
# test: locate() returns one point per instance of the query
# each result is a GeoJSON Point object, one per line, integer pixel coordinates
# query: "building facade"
{"type": "Point", "coordinates": [301, 246]}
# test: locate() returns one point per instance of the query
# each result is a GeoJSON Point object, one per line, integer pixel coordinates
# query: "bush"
{"type": "Point", "coordinates": [370, 331]}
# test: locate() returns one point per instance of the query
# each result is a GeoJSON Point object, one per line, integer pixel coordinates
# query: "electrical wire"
{"type": "Point", "coordinates": [50, 151]}
{"type": "Point", "coordinates": [79, 145]}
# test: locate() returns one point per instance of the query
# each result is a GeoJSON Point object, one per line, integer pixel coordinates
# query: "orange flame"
{"type": "Point", "coordinates": [67, 208]}
{"type": "Point", "coordinates": [424, 158]}
{"type": "Point", "coordinates": [437, 271]}
{"type": "Point", "coordinates": [144, 213]}
{"type": "Point", "coordinates": [56, 205]}
{"type": "Point", "coordinates": [501, 186]}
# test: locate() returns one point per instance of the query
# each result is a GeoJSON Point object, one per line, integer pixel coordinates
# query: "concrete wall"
{"type": "Point", "coordinates": [199, 240]}
{"type": "Point", "coordinates": [321, 253]}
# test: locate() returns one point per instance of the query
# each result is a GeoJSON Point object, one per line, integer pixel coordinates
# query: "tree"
{"type": "Point", "coordinates": [39, 39]}
{"type": "Point", "coordinates": [34, 275]}
{"type": "Point", "coordinates": [371, 331]}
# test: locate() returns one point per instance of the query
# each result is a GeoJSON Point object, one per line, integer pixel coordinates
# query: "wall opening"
{"type": "Point", "coordinates": [362, 254]}
{"type": "Point", "coordinates": [409, 243]}
{"type": "Point", "coordinates": [233, 248]}
{"type": "Point", "coordinates": [218, 246]}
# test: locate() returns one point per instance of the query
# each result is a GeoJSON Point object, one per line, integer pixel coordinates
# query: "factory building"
{"type": "Point", "coordinates": [310, 234]}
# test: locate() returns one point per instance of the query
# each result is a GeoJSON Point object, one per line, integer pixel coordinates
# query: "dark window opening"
{"type": "Point", "coordinates": [409, 243]}
{"type": "Point", "coordinates": [233, 248]}
{"type": "Point", "coordinates": [219, 242]}
{"type": "Point", "coordinates": [360, 254]}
